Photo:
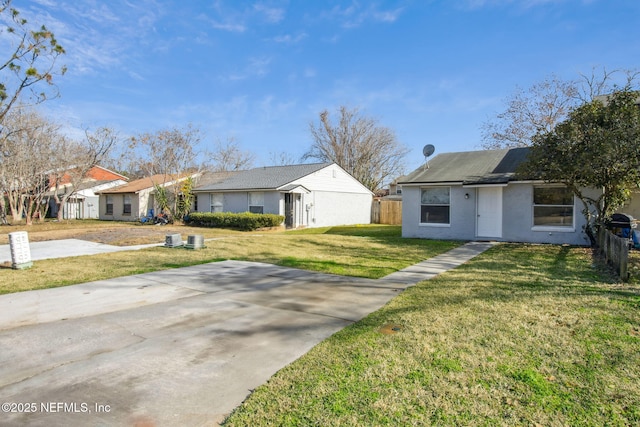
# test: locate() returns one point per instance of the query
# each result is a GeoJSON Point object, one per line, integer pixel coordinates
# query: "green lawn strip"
{"type": "Point", "coordinates": [336, 252]}
{"type": "Point", "coordinates": [521, 335]}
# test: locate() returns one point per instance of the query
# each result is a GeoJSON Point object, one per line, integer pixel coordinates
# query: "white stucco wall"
{"type": "Point", "coordinates": [462, 216]}
{"type": "Point", "coordinates": [334, 198]}
{"type": "Point", "coordinates": [517, 218]}
{"type": "Point", "coordinates": [632, 207]}
{"type": "Point", "coordinates": [332, 179]}
{"type": "Point", "coordinates": [316, 209]}
{"type": "Point", "coordinates": [332, 208]}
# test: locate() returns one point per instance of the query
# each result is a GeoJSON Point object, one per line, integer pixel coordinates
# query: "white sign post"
{"type": "Point", "coordinates": [20, 251]}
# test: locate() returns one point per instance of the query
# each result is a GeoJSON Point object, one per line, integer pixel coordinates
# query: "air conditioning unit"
{"type": "Point", "coordinates": [195, 241]}
{"type": "Point", "coordinates": [173, 241]}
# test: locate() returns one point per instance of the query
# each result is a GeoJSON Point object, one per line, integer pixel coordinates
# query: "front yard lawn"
{"type": "Point", "coordinates": [365, 251]}
{"type": "Point", "coordinates": [528, 335]}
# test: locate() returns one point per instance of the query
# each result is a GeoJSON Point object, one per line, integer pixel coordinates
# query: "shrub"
{"type": "Point", "coordinates": [243, 221]}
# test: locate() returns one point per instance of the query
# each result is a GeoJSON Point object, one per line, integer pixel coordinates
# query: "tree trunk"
{"type": "Point", "coordinates": [3, 210]}
{"type": "Point", "coordinates": [16, 204]}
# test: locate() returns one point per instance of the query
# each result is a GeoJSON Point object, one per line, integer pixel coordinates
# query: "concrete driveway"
{"type": "Point", "coordinates": [180, 347]}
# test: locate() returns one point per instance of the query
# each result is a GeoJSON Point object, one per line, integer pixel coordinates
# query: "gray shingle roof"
{"type": "Point", "coordinates": [264, 178]}
{"type": "Point", "coordinates": [470, 167]}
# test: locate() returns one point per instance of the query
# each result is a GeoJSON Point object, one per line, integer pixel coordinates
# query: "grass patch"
{"type": "Point", "coordinates": [333, 250]}
{"type": "Point", "coordinates": [521, 335]}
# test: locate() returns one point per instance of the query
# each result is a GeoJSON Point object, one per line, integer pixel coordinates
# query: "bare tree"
{"type": "Point", "coordinates": [32, 59]}
{"type": "Point", "coordinates": [228, 156]}
{"type": "Point", "coordinates": [76, 159]}
{"type": "Point", "coordinates": [173, 156]}
{"type": "Point", "coordinates": [282, 159]}
{"type": "Point", "coordinates": [369, 152]}
{"type": "Point", "coordinates": [30, 146]}
{"type": "Point", "coordinates": [537, 109]}
{"type": "Point", "coordinates": [545, 104]}
{"type": "Point", "coordinates": [166, 152]}
{"type": "Point", "coordinates": [603, 82]}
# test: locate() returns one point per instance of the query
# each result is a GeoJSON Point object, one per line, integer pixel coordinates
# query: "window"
{"type": "Point", "coordinates": [126, 206]}
{"type": "Point", "coordinates": [434, 205]}
{"type": "Point", "coordinates": [256, 203]}
{"type": "Point", "coordinates": [217, 203]}
{"type": "Point", "coordinates": [109, 210]}
{"type": "Point", "coordinates": [552, 207]}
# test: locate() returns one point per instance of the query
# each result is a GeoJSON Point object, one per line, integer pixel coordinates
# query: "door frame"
{"type": "Point", "coordinates": [489, 221]}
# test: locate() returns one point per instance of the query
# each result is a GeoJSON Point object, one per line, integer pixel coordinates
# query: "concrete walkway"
{"type": "Point", "coordinates": [177, 347]}
{"type": "Point", "coordinates": [67, 248]}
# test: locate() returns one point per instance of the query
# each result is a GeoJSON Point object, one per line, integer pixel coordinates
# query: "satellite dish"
{"type": "Point", "coordinates": [427, 150]}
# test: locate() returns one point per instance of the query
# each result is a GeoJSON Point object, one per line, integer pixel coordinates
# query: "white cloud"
{"type": "Point", "coordinates": [233, 27]}
{"type": "Point", "coordinates": [256, 67]}
{"type": "Point", "coordinates": [525, 4]}
{"type": "Point", "coordinates": [289, 39]}
{"type": "Point", "coordinates": [96, 36]}
{"type": "Point", "coordinates": [272, 15]}
{"type": "Point", "coordinates": [356, 15]}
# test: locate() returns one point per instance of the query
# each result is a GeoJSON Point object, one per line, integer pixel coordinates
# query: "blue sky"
{"type": "Point", "coordinates": [260, 71]}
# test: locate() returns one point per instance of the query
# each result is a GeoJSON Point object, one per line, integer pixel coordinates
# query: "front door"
{"type": "Point", "coordinates": [489, 212]}
{"type": "Point", "coordinates": [289, 210]}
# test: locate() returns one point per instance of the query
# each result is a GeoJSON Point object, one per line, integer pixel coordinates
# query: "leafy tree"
{"type": "Point", "coordinates": [32, 59]}
{"type": "Point", "coordinates": [183, 204]}
{"type": "Point", "coordinates": [369, 152]}
{"type": "Point", "coordinates": [597, 147]}
{"type": "Point", "coordinates": [162, 198]}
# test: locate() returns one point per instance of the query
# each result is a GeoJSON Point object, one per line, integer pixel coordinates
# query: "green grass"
{"type": "Point", "coordinates": [522, 335]}
{"type": "Point", "coordinates": [365, 251]}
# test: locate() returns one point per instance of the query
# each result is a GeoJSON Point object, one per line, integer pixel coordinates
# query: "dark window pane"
{"type": "Point", "coordinates": [432, 214]}
{"type": "Point", "coordinates": [552, 196]}
{"type": "Point", "coordinates": [553, 215]}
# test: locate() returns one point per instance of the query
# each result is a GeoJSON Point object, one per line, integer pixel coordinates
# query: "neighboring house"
{"type": "Point", "coordinates": [632, 207]}
{"type": "Point", "coordinates": [134, 200]}
{"type": "Point", "coordinates": [395, 189]}
{"type": "Point", "coordinates": [475, 196]}
{"type": "Point", "coordinates": [307, 195]}
{"type": "Point", "coordinates": [83, 203]}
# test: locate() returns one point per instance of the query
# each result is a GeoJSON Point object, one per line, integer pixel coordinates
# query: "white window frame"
{"type": "Point", "coordinates": [125, 198]}
{"type": "Point", "coordinates": [547, 227]}
{"type": "Point", "coordinates": [448, 205]}
{"type": "Point", "coordinates": [216, 202]}
{"type": "Point", "coordinates": [256, 202]}
{"type": "Point", "coordinates": [109, 205]}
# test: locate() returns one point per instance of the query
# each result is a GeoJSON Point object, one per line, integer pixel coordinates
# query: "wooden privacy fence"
{"type": "Point", "coordinates": [386, 212]}
{"type": "Point", "coordinates": [615, 250]}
